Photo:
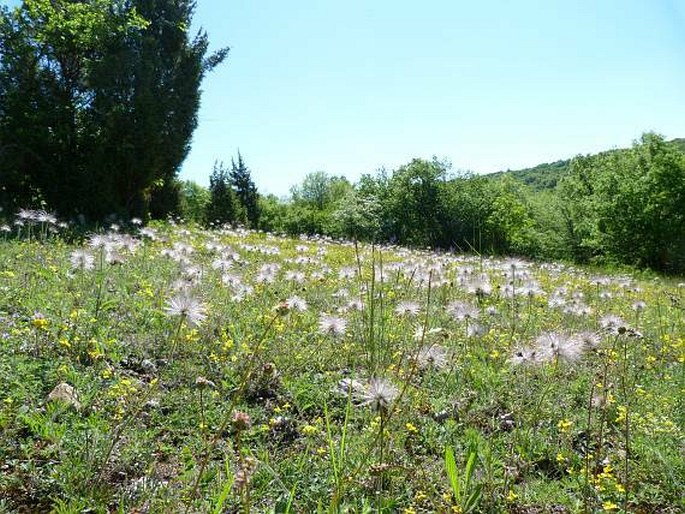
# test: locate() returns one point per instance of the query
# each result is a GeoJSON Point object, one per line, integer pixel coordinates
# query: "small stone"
{"type": "Point", "coordinates": [148, 366]}
{"type": "Point", "coordinates": [65, 393]}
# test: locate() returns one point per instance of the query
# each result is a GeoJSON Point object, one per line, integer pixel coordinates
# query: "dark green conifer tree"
{"type": "Point", "coordinates": [223, 203]}
{"type": "Point", "coordinates": [245, 190]}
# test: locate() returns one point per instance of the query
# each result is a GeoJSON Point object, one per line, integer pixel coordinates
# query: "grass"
{"type": "Point", "coordinates": [438, 383]}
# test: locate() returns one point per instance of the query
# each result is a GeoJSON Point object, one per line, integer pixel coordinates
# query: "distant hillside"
{"type": "Point", "coordinates": [541, 177]}
{"type": "Point", "coordinates": [546, 176]}
{"type": "Point", "coordinates": [680, 143]}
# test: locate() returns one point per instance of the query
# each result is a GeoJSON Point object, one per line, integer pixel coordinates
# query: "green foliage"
{"type": "Point", "coordinates": [543, 177]}
{"type": "Point", "coordinates": [193, 202]}
{"type": "Point", "coordinates": [272, 214]}
{"type": "Point", "coordinates": [628, 206]}
{"type": "Point", "coordinates": [412, 202]}
{"type": "Point", "coordinates": [98, 102]}
{"type": "Point", "coordinates": [314, 203]}
{"type": "Point", "coordinates": [419, 204]}
{"type": "Point", "coordinates": [466, 496]}
{"type": "Point", "coordinates": [246, 191]}
{"type": "Point", "coordinates": [224, 206]}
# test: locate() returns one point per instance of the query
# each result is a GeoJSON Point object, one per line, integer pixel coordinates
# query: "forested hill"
{"type": "Point", "coordinates": [545, 176]}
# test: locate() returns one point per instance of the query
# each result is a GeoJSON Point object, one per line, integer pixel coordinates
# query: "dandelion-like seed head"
{"type": "Point", "coordinates": [558, 345]}
{"type": "Point", "coordinates": [379, 394]}
{"type": "Point", "coordinates": [613, 324]}
{"type": "Point", "coordinates": [407, 308]}
{"type": "Point", "coordinates": [639, 306]}
{"type": "Point", "coordinates": [524, 356]}
{"type": "Point", "coordinates": [432, 356]}
{"type": "Point", "coordinates": [462, 311]}
{"type": "Point", "coordinates": [296, 303]}
{"type": "Point", "coordinates": [332, 325]}
{"type": "Point", "coordinates": [188, 307]}
{"type": "Point", "coordinates": [480, 286]}
{"type": "Point", "coordinates": [82, 259]}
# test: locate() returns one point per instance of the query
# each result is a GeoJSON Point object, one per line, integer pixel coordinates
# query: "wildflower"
{"type": "Point", "coordinates": [241, 421]}
{"type": "Point", "coordinates": [530, 289]}
{"type": "Point", "coordinates": [188, 307]}
{"type": "Point", "coordinates": [589, 339]}
{"type": "Point", "coordinates": [577, 308]}
{"type": "Point", "coordinates": [565, 425]}
{"type": "Point", "coordinates": [148, 232]}
{"type": "Point", "coordinates": [462, 311]}
{"type": "Point", "coordinates": [613, 324]}
{"type": "Point", "coordinates": [39, 321]}
{"type": "Point", "coordinates": [295, 276]}
{"type": "Point", "coordinates": [246, 468]}
{"type": "Point", "coordinates": [411, 428]}
{"type": "Point", "coordinates": [609, 506]}
{"type": "Point", "coordinates": [97, 241]}
{"type": "Point", "coordinates": [222, 264]}
{"type": "Point", "coordinates": [203, 383]}
{"type": "Point", "coordinates": [112, 256]}
{"type": "Point", "coordinates": [347, 273]}
{"type": "Point", "coordinates": [355, 305]}
{"type": "Point", "coordinates": [639, 306]}
{"type": "Point", "coordinates": [332, 325]}
{"type": "Point", "coordinates": [379, 394]}
{"type": "Point", "coordinates": [480, 286]}
{"type": "Point", "coordinates": [431, 356]}
{"type": "Point", "coordinates": [524, 356]}
{"type": "Point", "coordinates": [309, 430]}
{"type": "Point", "coordinates": [556, 300]}
{"type": "Point", "coordinates": [296, 303]}
{"type": "Point", "coordinates": [556, 345]}
{"type": "Point", "coordinates": [475, 330]}
{"type": "Point", "coordinates": [407, 308]}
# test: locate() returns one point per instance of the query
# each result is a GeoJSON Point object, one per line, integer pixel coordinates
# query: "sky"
{"type": "Point", "coordinates": [351, 86]}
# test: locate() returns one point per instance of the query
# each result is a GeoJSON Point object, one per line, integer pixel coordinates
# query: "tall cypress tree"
{"type": "Point", "coordinates": [222, 206]}
{"type": "Point", "coordinates": [246, 190]}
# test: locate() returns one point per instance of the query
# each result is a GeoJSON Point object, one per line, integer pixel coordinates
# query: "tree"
{"type": "Point", "coordinates": [193, 202]}
{"type": "Point", "coordinates": [245, 190]}
{"type": "Point", "coordinates": [223, 203]}
{"type": "Point", "coordinates": [629, 205]}
{"type": "Point", "coordinates": [413, 202]}
{"type": "Point", "coordinates": [314, 203]}
{"type": "Point", "coordinates": [98, 101]}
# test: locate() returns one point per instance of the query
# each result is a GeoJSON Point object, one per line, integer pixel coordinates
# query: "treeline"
{"type": "Point", "coordinates": [623, 206]}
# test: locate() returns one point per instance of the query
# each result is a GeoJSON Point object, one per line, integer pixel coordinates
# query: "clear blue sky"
{"type": "Point", "coordinates": [348, 86]}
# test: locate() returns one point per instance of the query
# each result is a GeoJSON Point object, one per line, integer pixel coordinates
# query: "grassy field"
{"type": "Point", "coordinates": [183, 370]}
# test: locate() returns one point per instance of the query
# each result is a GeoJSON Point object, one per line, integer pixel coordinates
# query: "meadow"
{"type": "Point", "coordinates": [175, 369]}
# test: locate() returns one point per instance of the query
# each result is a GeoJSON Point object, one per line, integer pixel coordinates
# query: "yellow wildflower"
{"type": "Point", "coordinates": [565, 425]}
